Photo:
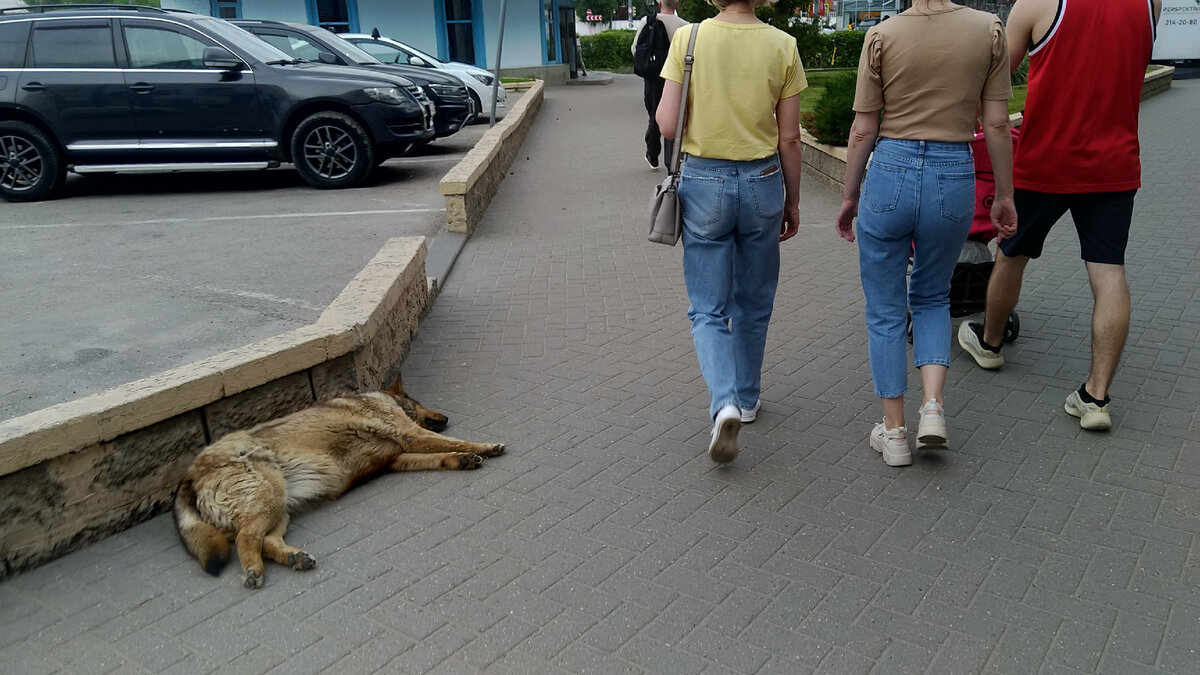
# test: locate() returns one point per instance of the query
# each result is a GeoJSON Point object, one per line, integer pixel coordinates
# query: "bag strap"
{"type": "Point", "coordinates": [687, 78]}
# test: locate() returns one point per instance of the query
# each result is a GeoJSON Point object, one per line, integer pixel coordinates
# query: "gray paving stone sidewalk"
{"type": "Point", "coordinates": [605, 541]}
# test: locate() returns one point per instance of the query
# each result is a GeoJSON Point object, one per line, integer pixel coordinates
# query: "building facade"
{"type": "Point", "coordinates": [539, 35]}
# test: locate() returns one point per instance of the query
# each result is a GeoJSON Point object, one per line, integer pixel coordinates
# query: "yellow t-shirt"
{"type": "Point", "coordinates": [739, 74]}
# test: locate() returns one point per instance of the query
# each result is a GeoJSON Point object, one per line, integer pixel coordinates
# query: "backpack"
{"type": "Point", "coordinates": [651, 51]}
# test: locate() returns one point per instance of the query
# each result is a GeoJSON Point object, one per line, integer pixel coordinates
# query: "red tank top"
{"type": "Point", "coordinates": [1080, 130]}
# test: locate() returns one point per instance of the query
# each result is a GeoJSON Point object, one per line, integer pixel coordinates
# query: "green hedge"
{"type": "Point", "coordinates": [837, 50]}
{"type": "Point", "coordinates": [834, 113]}
{"type": "Point", "coordinates": [608, 50]}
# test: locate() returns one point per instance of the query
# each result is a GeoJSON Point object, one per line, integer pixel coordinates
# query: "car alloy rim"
{"type": "Point", "coordinates": [21, 165]}
{"type": "Point", "coordinates": [330, 152]}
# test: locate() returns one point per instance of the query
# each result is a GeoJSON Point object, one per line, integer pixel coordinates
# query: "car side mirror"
{"type": "Point", "coordinates": [222, 59]}
{"type": "Point", "coordinates": [326, 57]}
{"type": "Point", "coordinates": [417, 61]}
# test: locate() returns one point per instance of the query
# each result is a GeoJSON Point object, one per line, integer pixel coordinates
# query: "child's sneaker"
{"type": "Point", "coordinates": [1091, 416]}
{"type": "Point", "coordinates": [931, 432]}
{"type": "Point", "coordinates": [723, 446]}
{"type": "Point", "coordinates": [892, 444]}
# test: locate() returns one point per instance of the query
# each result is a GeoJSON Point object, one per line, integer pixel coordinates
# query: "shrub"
{"type": "Point", "coordinates": [834, 113]}
{"type": "Point", "coordinates": [842, 49]}
{"type": "Point", "coordinates": [1020, 76]}
{"type": "Point", "coordinates": [608, 50]}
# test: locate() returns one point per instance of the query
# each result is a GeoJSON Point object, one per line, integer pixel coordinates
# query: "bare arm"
{"type": "Point", "coordinates": [863, 133]}
{"type": "Point", "coordinates": [1156, 5]}
{"type": "Point", "coordinates": [1019, 30]}
{"type": "Point", "coordinates": [787, 118]}
{"type": "Point", "coordinates": [998, 136]}
{"type": "Point", "coordinates": [667, 114]}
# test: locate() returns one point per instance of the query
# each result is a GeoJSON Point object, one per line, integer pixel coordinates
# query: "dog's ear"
{"type": "Point", "coordinates": [397, 387]}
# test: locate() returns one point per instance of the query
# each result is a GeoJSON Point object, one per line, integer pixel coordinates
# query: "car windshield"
{"type": "Point", "coordinates": [349, 51]}
{"type": "Point", "coordinates": [244, 41]}
{"type": "Point", "coordinates": [413, 51]}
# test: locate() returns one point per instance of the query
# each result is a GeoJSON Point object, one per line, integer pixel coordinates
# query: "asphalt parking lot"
{"type": "Point", "coordinates": [124, 276]}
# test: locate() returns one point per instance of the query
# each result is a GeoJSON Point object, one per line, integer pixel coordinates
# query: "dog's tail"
{"type": "Point", "coordinates": [203, 541]}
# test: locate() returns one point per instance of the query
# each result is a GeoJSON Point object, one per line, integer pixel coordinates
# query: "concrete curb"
{"type": "Point", "coordinates": [81, 470]}
{"type": "Point", "coordinates": [470, 185]}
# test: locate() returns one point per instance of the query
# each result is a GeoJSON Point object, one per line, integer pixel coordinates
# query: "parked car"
{"type": "Point", "coordinates": [394, 51]}
{"type": "Point", "coordinates": [103, 89]}
{"type": "Point", "coordinates": [454, 105]}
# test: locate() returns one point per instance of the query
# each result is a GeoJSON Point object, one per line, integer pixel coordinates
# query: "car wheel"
{"type": "Point", "coordinates": [331, 150]}
{"type": "Point", "coordinates": [31, 166]}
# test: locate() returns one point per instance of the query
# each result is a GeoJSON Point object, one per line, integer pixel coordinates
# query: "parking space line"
{"type": "Point", "coordinates": [210, 219]}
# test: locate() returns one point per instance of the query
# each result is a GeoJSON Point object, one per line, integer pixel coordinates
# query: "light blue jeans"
{"type": "Point", "coordinates": [732, 213]}
{"type": "Point", "coordinates": [918, 199]}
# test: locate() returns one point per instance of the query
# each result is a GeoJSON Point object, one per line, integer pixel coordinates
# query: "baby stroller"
{"type": "Point", "coordinates": [968, 283]}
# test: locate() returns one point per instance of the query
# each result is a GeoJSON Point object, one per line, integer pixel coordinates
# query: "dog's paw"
{"type": "Point", "coordinates": [253, 579]}
{"type": "Point", "coordinates": [494, 451]}
{"type": "Point", "coordinates": [467, 460]}
{"type": "Point", "coordinates": [301, 561]}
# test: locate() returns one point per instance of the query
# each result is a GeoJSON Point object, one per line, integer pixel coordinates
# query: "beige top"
{"type": "Point", "coordinates": [928, 72]}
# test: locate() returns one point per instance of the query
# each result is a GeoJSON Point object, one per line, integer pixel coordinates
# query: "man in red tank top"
{"type": "Point", "coordinates": [1078, 152]}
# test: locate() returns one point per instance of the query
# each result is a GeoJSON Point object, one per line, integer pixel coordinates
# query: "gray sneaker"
{"type": "Point", "coordinates": [1091, 416]}
{"type": "Point", "coordinates": [969, 341]}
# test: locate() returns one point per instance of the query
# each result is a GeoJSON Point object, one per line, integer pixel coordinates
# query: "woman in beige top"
{"type": "Point", "coordinates": [923, 77]}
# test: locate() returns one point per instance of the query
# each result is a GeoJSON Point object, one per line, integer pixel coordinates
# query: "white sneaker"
{"type": "Point", "coordinates": [931, 432]}
{"type": "Point", "coordinates": [751, 414]}
{"type": "Point", "coordinates": [723, 446]}
{"type": "Point", "coordinates": [892, 444]}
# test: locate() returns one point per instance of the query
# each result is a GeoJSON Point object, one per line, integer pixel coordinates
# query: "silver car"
{"type": "Point", "coordinates": [478, 81]}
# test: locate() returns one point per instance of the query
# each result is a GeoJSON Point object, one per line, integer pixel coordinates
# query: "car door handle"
{"type": "Point", "coordinates": [34, 86]}
{"type": "Point", "coordinates": [142, 87]}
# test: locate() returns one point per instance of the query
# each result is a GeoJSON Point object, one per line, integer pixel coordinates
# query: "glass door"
{"type": "Point", "coordinates": [552, 54]}
{"type": "Point", "coordinates": [460, 30]}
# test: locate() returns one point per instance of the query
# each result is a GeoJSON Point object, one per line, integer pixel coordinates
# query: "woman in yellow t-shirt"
{"type": "Point", "coordinates": [739, 193]}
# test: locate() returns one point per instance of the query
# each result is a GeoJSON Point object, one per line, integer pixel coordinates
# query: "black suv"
{"type": "Point", "coordinates": [130, 88]}
{"type": "Point", "coordinates": [455, 108]}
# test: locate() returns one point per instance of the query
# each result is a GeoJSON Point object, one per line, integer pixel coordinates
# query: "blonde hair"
{"type": "Point", "coordinates": [722, 4]}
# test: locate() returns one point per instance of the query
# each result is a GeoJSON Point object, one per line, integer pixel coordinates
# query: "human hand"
{"type": "Point", "coordinates": [845, 219]}
{"type": "Point", "coordinates": [791, 223]}
{"type": "Point", "coordinates": [1004, 217]}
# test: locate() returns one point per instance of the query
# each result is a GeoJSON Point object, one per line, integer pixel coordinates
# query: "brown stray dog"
{"type": "Point", "coordinates": [247, 484]}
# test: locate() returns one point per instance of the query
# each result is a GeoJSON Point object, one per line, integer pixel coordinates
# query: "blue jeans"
{"type": "Point", "coordinates": [732, 213]}
{"type": "Point", "coordinates": [918, 199]}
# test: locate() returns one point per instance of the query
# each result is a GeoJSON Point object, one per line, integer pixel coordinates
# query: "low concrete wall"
{"type": "Point", "coordinates": [827, 163]}
{"type": "Point", "coordinates": [1157, 81]}
{"type": "Point", "coordinates": [469, 186]}
{"type": "Point", "coordinates": [78, 471]}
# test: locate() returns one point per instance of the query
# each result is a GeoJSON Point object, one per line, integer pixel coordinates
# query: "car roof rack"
{"type": "Point", "coordinates": [41, 9]}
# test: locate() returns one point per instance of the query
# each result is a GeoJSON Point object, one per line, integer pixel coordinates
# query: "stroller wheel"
{"type": "Point", "coordinates": [1012, 329]}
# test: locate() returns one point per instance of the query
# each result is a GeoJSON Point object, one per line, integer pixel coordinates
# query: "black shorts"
{"type": "Point", "coordinates": [1101, 219]}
